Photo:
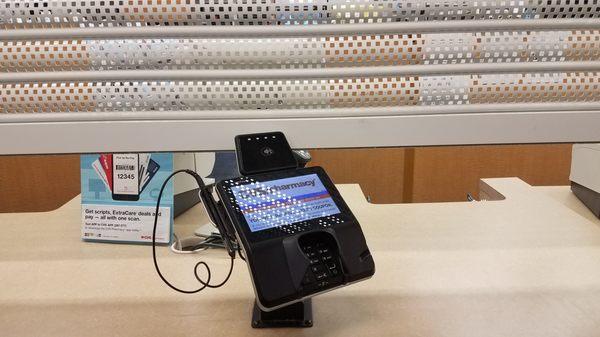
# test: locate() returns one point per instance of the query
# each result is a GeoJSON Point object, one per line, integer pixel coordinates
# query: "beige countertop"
{"type": "Point", "coordinates": [528, 265]}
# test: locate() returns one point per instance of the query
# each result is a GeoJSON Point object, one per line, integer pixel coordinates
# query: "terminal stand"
{"type": "Point", "coordinates": [296, 315]}
{"type": "Point", "coordinates": [319, 255]}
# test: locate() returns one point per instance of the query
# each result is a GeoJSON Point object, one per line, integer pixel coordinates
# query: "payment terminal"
{"type": "Point", "coordinates": [298, 235]}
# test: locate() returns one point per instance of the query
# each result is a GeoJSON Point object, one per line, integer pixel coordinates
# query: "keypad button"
{"type": "Point", "coordinates": [319, 269]}
{"type": "Point", "coordinates": [323, 251]}
{"type": "Point", "coordinates": [309, 278]}
{"type": "Point", "coordinates": [311, 254]}
{"type": "Point", "coordinates": [307, 248]}
{"type": "Point", "coordinates": [321, 276]}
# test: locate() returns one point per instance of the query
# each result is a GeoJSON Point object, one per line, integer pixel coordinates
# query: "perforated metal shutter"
{"type": "Point", "coordinates": [126, 59]}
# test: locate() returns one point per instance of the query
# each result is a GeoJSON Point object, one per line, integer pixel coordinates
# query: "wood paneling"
{"type": "Point", "coordinates": [435, 174]}
{"type": "Point", "coordinates": [449, 173]}
{"type": "Point", "coordinates": [37, 183]}
{"type": "Point", "coordinates": [386, 175]}
{"type": "Point", "coordinates": [380, 172]}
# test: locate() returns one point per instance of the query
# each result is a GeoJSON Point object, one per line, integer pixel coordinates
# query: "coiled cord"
{"type": "Point", "coordinates": [204, 283]}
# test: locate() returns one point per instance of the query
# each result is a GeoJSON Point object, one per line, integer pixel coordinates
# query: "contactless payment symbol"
{"type": "Point", "coordinates": [267, 151]}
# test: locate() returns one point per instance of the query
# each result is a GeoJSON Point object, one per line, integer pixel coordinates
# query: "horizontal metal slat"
{"type": "Point", "coordinates": [294, 31]}
{"type": "Point", "coordinates": [210, 135]}
{"type": "Point", "coordinates": [62, 117]}
{"type": "Point", "coordinates": [267, 74]}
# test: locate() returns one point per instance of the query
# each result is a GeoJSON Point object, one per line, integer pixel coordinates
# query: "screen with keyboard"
{"type": "Point", "coordinates": [280, 202]}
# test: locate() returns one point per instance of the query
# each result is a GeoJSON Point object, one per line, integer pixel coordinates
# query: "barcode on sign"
{"type": "Point", "coordinates": [124, 167]}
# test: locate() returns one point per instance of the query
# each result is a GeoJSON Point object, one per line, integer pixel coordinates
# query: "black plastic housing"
{"type": "Point", "coordinates": [277, 262]}
{"type": "Point", "coordinates": [263, 152]}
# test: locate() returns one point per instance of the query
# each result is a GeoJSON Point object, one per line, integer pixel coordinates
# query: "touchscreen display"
{"type": "Point", "coordinates": [280, 202]}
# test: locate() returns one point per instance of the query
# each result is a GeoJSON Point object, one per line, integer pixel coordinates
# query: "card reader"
{"type": "Point", "coordinates": [299, 237]}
